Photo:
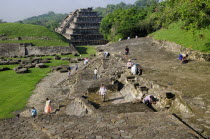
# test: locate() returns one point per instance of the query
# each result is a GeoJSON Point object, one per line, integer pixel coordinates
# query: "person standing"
{"type": "Point", "coordinates": [47, 108]}
{"type": "Point", "coordinates": [76, 67]}
{"type": "Point", "coordinates": [129, 64]}
{"type": "Point", "coordinates": [33, 112]}
{"type": "Point", "coordinates": [69, 71]}
{"type": "Point", "coordinates": [95, 73]}
{"type": "Point", "coordinates": [126, 51]}
{"type": "Point", "coordinates": [86, 61]}
{"type": "Point", "coordinates": [134, 69]}
{"type": "Point", "coordinates": [102, 92]}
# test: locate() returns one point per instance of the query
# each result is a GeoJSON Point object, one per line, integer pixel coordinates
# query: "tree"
{"type": "Point", "coordinates": [1, 21]}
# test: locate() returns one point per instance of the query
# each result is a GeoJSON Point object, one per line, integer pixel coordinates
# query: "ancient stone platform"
{"type": "Point", "coordinates": [79, 112]}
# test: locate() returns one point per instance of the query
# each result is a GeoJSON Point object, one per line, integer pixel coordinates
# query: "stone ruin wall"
{"type": "Point", "coordinates": [176, 48]}
{"type": "Point", "coordinates": [17, 49]}
{"type": "Point", "coordinates": [11, 49]}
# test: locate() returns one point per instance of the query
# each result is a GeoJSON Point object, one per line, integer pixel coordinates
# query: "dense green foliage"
{"type": "Point", "coordinates": [1, 21]}
{"type": "Point", "coordinates": [147, 16]}
{"type": "Point", "coordinates": [122, 23]}
{"type": "Point", "coordinates": [128, 22]}
{"type": "Point", "coordinates": [193, 13]}
{"type": "Point", "coordinates": [37, 35]}
{"type": "Point", "coordinates": [17, 88]}
{"type": "Point", "coordinates": [50, 20]}
{"type": "Point", "coordinates": [111, 7]}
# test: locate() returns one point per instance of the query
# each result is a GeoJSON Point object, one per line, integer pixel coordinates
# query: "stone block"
{"type": "Point", "coordinates": [22, 70]}
{"type": "Point", "coordinates": [13, 62]}
{"type": "Point", "coordinates": [17, 68]}
{"type": "Point", "coordinates": [65, 58]}
{"type": "Point", "coordinates": [28, 66]}
{"type": "Point", "coordinates": [45, 61]}
{"type": "Point", "coordinates": [73, 61]}
{"type": "Point", "coordinates": [40, 65]}
{"type": "Point", "coordinates": [57, 57]}
{"type": "Point", "coordinates": [4, 62]}
{"type": "Point", "coordinates": [63, 70]}
{"type": "Point", "coordinates": [4, 69]}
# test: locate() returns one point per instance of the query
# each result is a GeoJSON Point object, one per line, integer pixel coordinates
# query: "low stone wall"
{"type": "Point", "coordinates": [19, 49]}
{"type": "Point", "coordinates": [49, 50]}
{"type": "Point", "coordinates": [176, 48]}
{"type": "Point", "coordinates": [12, 49]}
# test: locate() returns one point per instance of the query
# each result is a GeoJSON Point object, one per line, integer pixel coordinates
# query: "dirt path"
{"type": "Point", "coordinates": [49, 87]}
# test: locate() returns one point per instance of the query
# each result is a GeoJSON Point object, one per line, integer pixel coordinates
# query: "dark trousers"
{"type": "Point", "coordinates": [95, 76]}
{"type": "Point", "coordinates": [103, 98]}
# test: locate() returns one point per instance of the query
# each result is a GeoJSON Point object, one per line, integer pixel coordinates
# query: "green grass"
{"type": "Point", "coordinates": [31, 34]}
{"type": "Point", "coordinates": [86, 51]}
{"type": "Point", "coordinates": [199, 40]}
{"type": "Point", "coordinates": [39, 42]}
{"type": "Point", "coordinates": [15, 89]}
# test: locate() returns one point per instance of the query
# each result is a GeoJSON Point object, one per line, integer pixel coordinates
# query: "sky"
{"type": "Point", "coordinates": [14, 10]}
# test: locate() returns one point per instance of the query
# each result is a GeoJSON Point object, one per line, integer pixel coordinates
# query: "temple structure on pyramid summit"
{"type": "Point", "coordinates": [81, 27]}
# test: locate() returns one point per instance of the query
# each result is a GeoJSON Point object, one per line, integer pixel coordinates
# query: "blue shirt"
{"type": "Point", "coordinates": [180, 57]}
{"type": "Point", "coordinates": [33, 112]}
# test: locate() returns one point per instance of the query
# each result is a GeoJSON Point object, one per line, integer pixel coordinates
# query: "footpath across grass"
{"type": "Point", "coordinates": [197, 40]}
{"type": "Point", "coordinates": [15, 89]}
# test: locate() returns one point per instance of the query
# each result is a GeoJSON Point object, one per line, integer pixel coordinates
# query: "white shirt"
{"type": "Point", "coordinates": [86, 61]}
{"type": "Point", "coordinates": [134, 69]}
{"type": "Point", "coordinates": [102, 91]}
{"type": "Point", "coordinates": [95, 71]}
{"type": "Point", "coordinates": [47, 103]}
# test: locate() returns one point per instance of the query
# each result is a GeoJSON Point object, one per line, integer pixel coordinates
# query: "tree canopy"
{"type": "Point", "coordinates": [147, 16]}
{"type": "Point", "coordinates": [50, 20]}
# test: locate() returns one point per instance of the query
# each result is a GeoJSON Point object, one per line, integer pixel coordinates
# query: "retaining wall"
{"type": "Point", "coordinates": [176, 48]}
{"type": "Point", "coordinates": [23, 49]}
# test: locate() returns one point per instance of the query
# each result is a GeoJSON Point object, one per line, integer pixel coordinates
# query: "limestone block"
{"type": "Point", "coordinates": [44, 61]}
{"type": "Point", "coordinates": [22, 70]}
{"type": "Point", "coordinates": [40, 65]}
{"type": "Point", "coordinates": [57, 57]}
{"type": "Point", "coordinates": [16, 68]}
{"type": "Point", "coordinates": [4, 62]}
{"type": "Point", "coordinates": [4, 69]}
{"type": "Point", "coordinates": [65, 58]}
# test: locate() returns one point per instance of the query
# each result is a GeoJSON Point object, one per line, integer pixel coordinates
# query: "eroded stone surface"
{"type": "Point", "coordinates": [81, 113]}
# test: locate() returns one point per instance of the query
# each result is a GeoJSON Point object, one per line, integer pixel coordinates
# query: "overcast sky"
{"type": "Point", "coordinates": [14, 10]}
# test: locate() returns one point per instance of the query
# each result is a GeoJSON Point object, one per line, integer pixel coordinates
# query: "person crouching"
{"type": "Point", "coordinates": [33, 112]}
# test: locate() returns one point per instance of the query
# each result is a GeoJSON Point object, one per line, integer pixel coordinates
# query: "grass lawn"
{"type": "Point", "coordinates": [39, 42]}
{"type": "Point", "coordinates": [198, 40]}
{"type": "Point", "coordinates": [37, 35]}
{"type": "Point", "coordinates": [15, 89]}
